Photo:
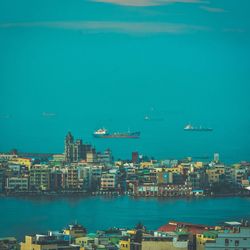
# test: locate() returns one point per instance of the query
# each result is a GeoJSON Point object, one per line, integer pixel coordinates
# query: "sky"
{"type": "Point", "coordinates": [78, 65]}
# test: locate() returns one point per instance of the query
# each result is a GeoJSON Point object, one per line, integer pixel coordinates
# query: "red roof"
{"type": "Point", "coordinates": [192, 228]}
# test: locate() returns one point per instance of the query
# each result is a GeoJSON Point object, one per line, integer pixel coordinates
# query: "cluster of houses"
{"type": "Point", "coordinates": [81, 170]}
{"type": "Point", "coordinates": [172, 236]}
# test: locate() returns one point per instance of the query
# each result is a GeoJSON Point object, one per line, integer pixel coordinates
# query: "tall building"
{"type": "Point", "coordinates": [72, 181]}
{"type": "Point", "coordinates": [216, 157]}
{"type": "Point", "coordinates": [78, 153]}
{"type": "Point", "coordinates": [108, 181]}
{"type": "Point", "coordinates": [75, 151]}
{"type": "Point", "coordinates": [2, 177]}
{"type": "Point", "coordinates": [135, 157]}
{"type": "Point", "coordinates": [68, 147]}
{"type": "Point", "coordinates": [39, 178]}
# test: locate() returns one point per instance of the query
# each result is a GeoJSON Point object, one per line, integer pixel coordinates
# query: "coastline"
{"type": "Point", "coordinates": [112, 195]}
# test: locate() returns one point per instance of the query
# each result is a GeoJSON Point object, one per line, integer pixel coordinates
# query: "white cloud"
{"type": "Point", "coordinates": [5, 116]}
{"type": "Point", "coordinates": [234, 30]}
{"type": "Point", "coordinates": [48, 114]}
{"type": "Point", "coordinates": [112, 27]}
{"type": "Point", "coordinates": [211, 9]}
{"type": "Point", "coordinates": [144, 3]}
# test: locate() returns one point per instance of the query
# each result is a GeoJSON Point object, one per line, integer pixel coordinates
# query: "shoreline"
{"type": "Point", "coordinates": [111, 195]}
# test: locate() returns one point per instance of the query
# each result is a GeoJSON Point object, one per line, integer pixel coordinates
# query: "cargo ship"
{"type": "Point", "coordinates": [190, 127]}
{"type": "Point", "coordinates": [153, 119]}
{"type": "Point", "coordinates": [103, 133]}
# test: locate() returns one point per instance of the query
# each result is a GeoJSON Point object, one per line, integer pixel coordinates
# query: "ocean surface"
{"type": "Point", "coordinates": [21, 216]}
{"type": "Point", "coordinates": [84, 64]}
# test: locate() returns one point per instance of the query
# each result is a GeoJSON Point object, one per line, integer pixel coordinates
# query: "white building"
{"type": "Point", "coordinates": [17, 183]}
{"type": "Point", "coordinates": [236, 239]}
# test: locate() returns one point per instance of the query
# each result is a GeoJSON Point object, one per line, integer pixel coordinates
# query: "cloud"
{"type": "Point", "coordinates": [234, 30]}
{"type": "Point", "coordinates": [5, 116]}
{"type": "Point", "coordinates": [211, 9]}
{"type": "Point", "coordinates": [112, 27]}
{"type": "Point", "coordinates": [48, 114]}
{"type": "Point", "coordinates": [144, 3]}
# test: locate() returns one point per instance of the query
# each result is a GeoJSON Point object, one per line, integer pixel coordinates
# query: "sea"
{"type": "Point", "coordinates": [22, 216]}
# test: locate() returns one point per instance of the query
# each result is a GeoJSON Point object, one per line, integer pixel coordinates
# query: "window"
{"type": "Point", "coordinates": [226, 242]}
{"type": "Point", "coordinates": [237, 243]}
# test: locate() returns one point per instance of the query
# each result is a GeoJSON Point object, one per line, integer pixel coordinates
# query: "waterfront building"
{"type": "Point", "coordinates": [72, 181]}
{"type": "Point", "coordinates": [215, 174]}
{"type": "Point", "coordinates": [238, 175]}
{"type": "Point", "coordinates": [17, 183]}
{"type": "Point", "coordinates": [46, 242]}
{"type": "Point", "coordinates": [108, 181]}
{"type": "Point", "coordinates": [85, 177]}
{"type": "Point", "coordinates": [68, 147]}
{"type": "Point", "coordinates": [164, 178]}
{"type": "Point", "coordinates": [21, 161]}
{"type": "Point", "coordinates": [57, 180]}
{"type": "Point", "coordinates": [174, 190]}
{"type": "Point", "coordinates": [2, 179]}
{"type": "Point", "coordinates": [235, 236]}
{"type": "Point", "coordinates": [146, 190]}
{"type": "Point", "coordinates": [39, 178]}
{"type": "Point", "coordinates": [197, 179]}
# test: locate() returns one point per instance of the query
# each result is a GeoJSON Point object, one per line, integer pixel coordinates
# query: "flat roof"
{"type": "Point", "coordinates": [233, 223]}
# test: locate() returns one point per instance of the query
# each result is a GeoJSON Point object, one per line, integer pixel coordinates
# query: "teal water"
{"type": "Point", "coordinates": [95, 64]}
{"type": "Point", "coordinates": [23, 216]}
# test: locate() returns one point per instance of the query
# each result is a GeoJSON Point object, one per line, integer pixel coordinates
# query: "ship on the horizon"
{"type": "Point", "coordinates": [103, 133]}
{"type": "Point", "coordinates": [153, 119]}
{"type": "Point", "coordinates": [190, 127]}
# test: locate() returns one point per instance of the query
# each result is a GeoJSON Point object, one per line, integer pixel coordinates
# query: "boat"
{"type": "Point", "coordinates": [154, 119]}
{"type": "Point", "coordinates": [190, 127]}
{"type": "Point", "coordinates": [103, 133]}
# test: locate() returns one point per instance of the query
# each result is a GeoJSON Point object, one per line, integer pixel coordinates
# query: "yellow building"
{"type": "Point", "coordinates": [214, 174]}
{"type": "Point", "coordinates": [44, 242]}
{"type": "Point", "coordinates": [163, 243]}
{"type": "Point", "coordinates": [77, 231]}
{"type": "Point", "coordinates": [22, 161]}
{"type": "Point", "coordinates": [146, 164]}
{"type": "Point", "coordinates": [201, 239]}
{"type": "Point", "coordinates": [124, 244]}
{"type": "Point", "coordinates": [175, 170]}
{"type": "Point", "coordinates": [198, 164]}
{"type": "Point", "coordinates": [84, 242]}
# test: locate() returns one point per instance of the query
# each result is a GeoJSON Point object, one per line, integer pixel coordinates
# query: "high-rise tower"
{"type": "Point", "coordinates": [68, 147]}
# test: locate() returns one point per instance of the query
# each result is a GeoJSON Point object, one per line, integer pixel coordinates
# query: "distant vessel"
{"type": "Point", "coordinates": [156, 119]}
{"type": "Point", "coordinates": [190, 127]}
{"type": "Point", "coordinates": [103, 133]}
